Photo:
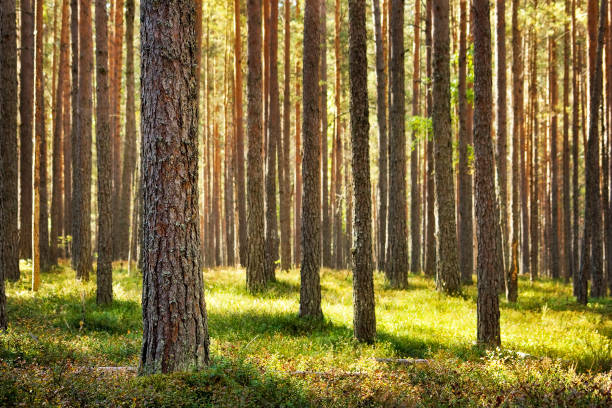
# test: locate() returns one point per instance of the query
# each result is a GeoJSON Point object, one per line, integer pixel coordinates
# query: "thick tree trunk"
{"type": "Point", "coordinates": [464, 190]}
{"type": "Point", "coordinates": [26, 115]}
{"type": "Point", "coordinates": [273, 127]}
{"type": "Point", "coordinates": [104, 273]}
{"type": "Point", "coordinates": [82, 171]}
{"type": "Point", "coordinates": [448, 278]}
{"type": "Point", "coordinates": [241, 202]}
{"type": "Point", "coordinates": [9, 244]}
{"type": "Point", "coordinates": [364, 319]}
{"type": "Point", "coordinates": [57, 210]}
{"type": "Point", "coordinates": [415, 199]}
{"type": "Point", "coordinates": [487, 222]}
{"type": "Point", "coordinates": [397, 263]}
{"type": "Point", "coordinates": [284, 183]}
{"type": "Point", "coordinates": [381, 115]}
{"type": "Point", "coordinates": [310, 288]}
{"type": "Point", "coordinates": [256, 278]}
{"type": "Point", "coordinates": [175, 328]}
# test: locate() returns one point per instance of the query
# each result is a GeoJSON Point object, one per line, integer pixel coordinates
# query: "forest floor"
{"type": "Point", "coordinates": [60, 345]}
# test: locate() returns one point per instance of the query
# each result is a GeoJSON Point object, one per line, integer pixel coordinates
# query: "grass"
{"type": "Point", "coordinates": [260, 347]}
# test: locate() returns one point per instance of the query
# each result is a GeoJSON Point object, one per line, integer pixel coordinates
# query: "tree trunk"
{"type": "Point", "coordinates": [567, 219]}
{"type": "Point", "coordinates": [310, 288]}
{"type": "Point", "coordinates": [448, 278]}
{"type": "Point", "coordinates": [464, 190]}
{"type": "Point", "coordinates": [575, 144]}
{"type": "Point", "coordinates": [256, 278]}
{"type": "Point", "coordinates": [82, 169]}
{"type": "Point", "coordinates": [535, 219]}
{"type": "Point", "coordinates": [397, 263]}
{"type": "Point", "coordinates": [216, 191]}
{"type": "Point", "coordinates": [364, 319]}
{"type": "Point", "coordinates": [415, 202]}
{"type": "Point", "coordinates": [284, 183]}
{"type": "Point", "coordinates": [273, 123]}
{"type": "Point", "coordinates": [104, 273]}
{"type": "Point", "coordinates": [430, 238]}
{"type": "Point", "coordinates": [554, 186]}
{"type": "Point", "coordinates": [326, 224]}
{"type": "Point", "coordinates": [381, 115]}
{"type": "Point", "coordinates": [337, 168]}
{"type": "Point", "coordinates": [241, 202]}
{"type": "Point", "coordinates": [175, 328]}
{"type": "Point", "coordinates": [487, 222]}
{"type": "Point", "coordinates": [297, 245]}
{"type": "Point", "coordinates": [26, 115]}
{"type": "Point", "coordinates": [9, 244]}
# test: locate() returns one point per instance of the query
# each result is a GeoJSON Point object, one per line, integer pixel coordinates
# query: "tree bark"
{"type": "Point", "coordinates": [175, 328]}
{"type": "Point", "coordinates": [567, 219]}
{"type": "Point", "coordinates": [364, 319]}
{"type": "Point", "coordinates": [9, 244]}
{"type": "Point", "coordinates": [554, 186]}
{"type": "Point", "coordinates": [326, 224]}
{"type": "Point", "coordinates": [397, 263]}
{"type": "Point", "coordinates": [430, 239]}
{"type": "Point", "coordinates": [415, 199]}
{"type": "Point", "coordinates": [256, 278]}
{"type": "Point", "coordinates": [273, 127]}
{"type": "Point", "coordinates": [381, 115]}
{"type": "Point", "coordinates": [104, 273]}
{"type": "Point", "coordinates": [487, 222]}
{"type": "Point", "coordinates": [241, 202]}
{"type": "Point", "coordinates": [337, 167]}
{"type": "Point", "coordinates": [74, 214]}
{"type": "Point", "coordinates": [575, 144]}
{"type": "Point", "coordinates": [26, 115]}
{"type": "Point", "coordinates": [535, 219]}
{"type": "Point", "coordinates": [310, 288]}
{"type": "Point", "coordinates": [448, 278]}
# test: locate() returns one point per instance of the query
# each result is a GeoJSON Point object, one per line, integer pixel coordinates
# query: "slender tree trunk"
{"type": "Point", "coordinates": [104, 273]}
{"type": "Point", "coordinates": [337, 167]}
{"type": "Point", "coordinates": [609, 170]}
{"type": "Point", "coordinates": [415, 202]}
{"type": "Point", "coordinates": [554, 243]}
{"type": "Point", "coordinates": [575, 143]}
{"type": "Point", "coordinates": [448, 278]}
{"type": "Point", "coordinates": [535, 172]}
{"type": "Point", "coordinates": [488, 262]}
{"type": "Point", "coordinates": [256, 278]}
{"type": "Point", "coordinates": [74, 132]}
{"type": "Point", "coordinates": [241, 202]}
{"type": "Point", "coordinates": [524, 183]}
{"type": "Point", "coordinates": [284, 184]}
{"type": "Point", "coordinates": [216, 191]}
{"type": "Point", "coordinates": [26, 115]}
{"type": "Point", "coordinates": [381, 115]}
{"type": "Point", "coordinates": [310, 288]}
{"type": "Point", "coordinates": [326, 224]}
{"type": "Point", "coordinates": [364, 319]}
{"type": "Point", "coordinates": [297, 245]}
{"type": "Point", "coordinates": [172, 275]}
{"type": "Point", "coordinates": [9, 244]}
{"type": "Point", "coordinates": [502, 138]}
{"type": "Point", "coordinates": [567, 220]}
{"type": "Point", "coordinates": [273, 127]}
{"type": "Point", "coordinates": [464, 190]}
{"type": "Point", "coordinates": [397, 263]}
{"type": "Point", "coordinates": [430, 238]}
{"type": "Point", "coordinates": [229, 160]}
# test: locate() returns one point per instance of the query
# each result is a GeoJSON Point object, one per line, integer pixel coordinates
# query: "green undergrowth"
{"type": "Point", "coordinates": [555, 352]}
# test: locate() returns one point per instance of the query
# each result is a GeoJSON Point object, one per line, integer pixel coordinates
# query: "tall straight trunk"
{"type": "Point", "coordinates": [487, 222]}
{"type": "Point", "coordinates": [592, 220]}
{"type": "Point", "coordinates": [502, 137]}
{"type": "Point", "coordinates": [554, 186]}
{"type": "Point", "coordinates": [310, 288]}
{"type": "Point", "coordinates": [575, 144]}
{"type": "Point", "coordinates": [567, 220]}
{"type": "Point", "coordinates": [256, 278]}
{"type": "Point", "coordinates": [517, 152]}
{"type": "Point", "coordinates": [266, 77]}
{"type": "Point", "coordinates": [57, 211]}
{"type": "Point", "coordinates": [216, 191]}
{"type": "Point", "coordinates": [524, 183]}
{"type": "Point", "coordinates": [464, 190]}
{"type": "Point", "coordinates": [326, 223]}
{"type": "Point", "coordinates": [9, 244]}
{"type": "Point", "coordinates": [381, 115]}
{"type": "Point", "coordinates": [415, 199]}
{"type": "Point", "coordinates": [240, 199]}
{"type": "Point", "coordinates": [74, 132]}
{"type": "Point", "coordinates": [448, 278]}
{"type": "Point", "coordinates": [430, 237]}
{"type": "Point", "coordinates": [397, 263]}
{"type": "Point", "coordinates": [26, 115]}
{"type": "Point", "coordinates": [297, 214]}
{"type": "Point", "coordinates": [82, 178]}
{"type": "Point", "coordinates": [535, 219]}
{"type": "Point", "coordinates": [172, 276]}
{"type": "Point", "coordinates": [120, 231]}
{"type": "Point", "coordinates": [337, 167]}
{"type": "Point", "coordinates": [104, 273]}
{"type": "Point", "coordinates": [364, 319]}
{"type": "Point", "coordinates": [273, 127]}
{"type": "Point", "coordinates": [39, 136]}
{"type": "Point", "coordinates": [41, 130]}
{"type": "Point", "coordinates": [229, 165]}
{"type": "Point", "coordinates": [609, 170]}
{"type": "Point", "coordinates": [284, 184]}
